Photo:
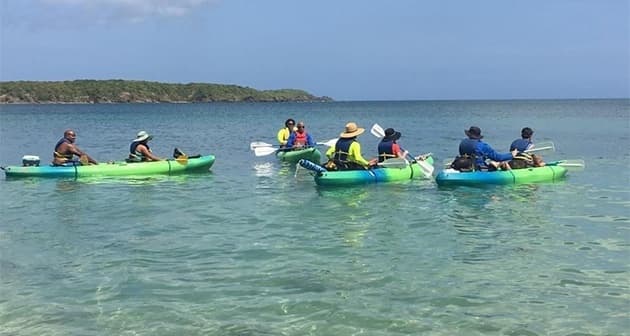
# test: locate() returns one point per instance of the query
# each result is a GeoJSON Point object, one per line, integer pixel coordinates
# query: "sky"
{"type": "Point", "coordinates": [344, 49]}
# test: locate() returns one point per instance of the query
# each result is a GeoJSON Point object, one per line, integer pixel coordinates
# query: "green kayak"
{"type": "Point", "coordinates": [293, 156]}
{"type": "Point", "coordinates": [549, 173]}
{"type": "Point", "coordinates": [384, 173]}
{"type": "Point", "coordinates": [119, 168]}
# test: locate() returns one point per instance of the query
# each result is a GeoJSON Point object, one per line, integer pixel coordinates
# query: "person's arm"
{"type": "Point", "coordinates": [282, 136]}
{"type": "Point", "coordinates": [355, 153]}
{"type": "Point", "coordinates": [309, 140]}
{"type": "Point", "coordinates": [493, 155]}
{"type": "Point", "coordinates": [290, 142]}
{"type": "Point", "coordinates": [401, 153]}
{"type": "Point", "coordinates": [330, 152]}
{"type": "Point", "coordinates": [143, 149]}
{"type": "Point", "coordinates": [76, 151]}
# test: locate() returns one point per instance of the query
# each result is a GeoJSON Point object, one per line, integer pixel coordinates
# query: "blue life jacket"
{"type": "Point", "coordinates": [66, 156]}
{"type": "Point", "coordinates": [385, 150]}
{"type": "Point", "coordinates": [136, 156]}
{"type": "Point", "coordinates": [342, 149]}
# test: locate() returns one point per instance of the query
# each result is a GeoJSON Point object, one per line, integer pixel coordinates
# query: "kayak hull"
{"type": "Point", "coordinates": [312, 154]}
{"type": "Point", "coordinates": [119, 168]}
{"type": "Point", "coordinates": [378, 175]}
{"type": "Point", "coordinates": [451, 177]}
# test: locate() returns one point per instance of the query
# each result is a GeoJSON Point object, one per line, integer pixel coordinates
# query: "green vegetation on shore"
{"type": "Point", "coordinates": [129, 91]}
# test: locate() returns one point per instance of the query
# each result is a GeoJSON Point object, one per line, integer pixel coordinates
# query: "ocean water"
{"type": "Point", "coordinates": [250, 249]}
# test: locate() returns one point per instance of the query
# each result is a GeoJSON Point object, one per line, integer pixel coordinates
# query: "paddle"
{"type": "Point", "coordinates": [426, 168]}
{"type": "Point", "coordinates": [576, 164]}
{"type": "Point", "coordinates": [263, 149]}
{"type": "Point", "coordinates": [546, 146]}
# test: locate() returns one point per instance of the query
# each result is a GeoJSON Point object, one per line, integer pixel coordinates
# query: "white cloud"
{"type": "Point", "coordinates": [68, 13]}
{"type": "Point", "coordinates": [137, 9]}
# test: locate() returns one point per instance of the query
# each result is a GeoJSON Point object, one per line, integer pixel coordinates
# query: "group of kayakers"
{"type": "Point", "coordinates": [474, 154]}
{"type": "Point", "coordinates": [68, 153]}
{"type": "Point", "coordinates": [346, 153]}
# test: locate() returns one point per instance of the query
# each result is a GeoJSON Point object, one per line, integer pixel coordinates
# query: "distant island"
{"type": "Point", "coordinates": [131, 91]}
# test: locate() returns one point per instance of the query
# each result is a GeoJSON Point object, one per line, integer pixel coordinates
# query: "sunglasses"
{"type": "Point", "coordinates": [300, 126]}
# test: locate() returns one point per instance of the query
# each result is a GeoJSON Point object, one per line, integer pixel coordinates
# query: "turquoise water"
{"type": "Point", "coordinates": [248, 249]}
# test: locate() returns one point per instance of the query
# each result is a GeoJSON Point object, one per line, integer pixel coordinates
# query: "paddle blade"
{"type": "Point", "coordinates": [542, 147]}
{"type": "Point", "coordinates": [257, 144]}
{"type": "Point", "coordinates": [264, 151]}
{"type": "Point", "coordinates": [573, 165]}
{"type": "Point", "coordinates": [328, 143]}
{"type": "Point", "coordinates": [427, 168]}
{"type": "Point", "coordinates": [377, 131]}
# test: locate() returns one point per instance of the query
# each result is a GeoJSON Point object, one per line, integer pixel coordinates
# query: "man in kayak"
{"type": "Point", "coordinates": [483, 156]}
{"type": "Point", "coordinates": [522, 159]}
{"type": "Point", "coordinates": [525, 142]}
{"type": "Point", "coordinates": [346, 153]}
{"type": "Point", "coordinates": [285, 132]}
{"type": "Point", "coordinates": [300, 138]}
{"type": "Point", "coordinates": [65, 150]}
{"type": "Point", "coordinates": [388, 148]}
{"type": "Point", "coordinates": [139, 150]}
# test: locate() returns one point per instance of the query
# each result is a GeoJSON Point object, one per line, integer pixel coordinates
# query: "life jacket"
{"type": "Point", "coordinates": [340, 160]}
{"type": "Point", "coordinates": [522, 160]}
{"type": "Point", "coordinates": [62, 157]}
{"type": "Point", "coordinates": [300, 139]}
{"type": "Point", "coordinates": [342, 149]}
{"type": "Point", "coordinates": [134, 155]}
{"type": "Point", "coordinates": [386, 150]}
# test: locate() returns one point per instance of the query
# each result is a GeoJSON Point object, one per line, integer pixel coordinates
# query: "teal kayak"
{"type": "Point", "coordinates": [293, 156]}
{"type": "Point", "coordinates": [375, 175]}
{"type": "Point", "coordinates": [549, 173]}
{"type": "Point", "coordinates": [119, 168]}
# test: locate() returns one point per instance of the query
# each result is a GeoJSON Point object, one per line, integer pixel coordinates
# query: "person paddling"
{"type": "Point", "coordinates": [139, 150]}
{"type": "Point", "coordinates": [522, 159]}
{"type": "Point", "coordinates": [346, 153]}
{"type": "Point", "coordinates": [388, 147]}
{"type": "Point", "coordinates": [300, 138]}
{"type": "Point", "coordinates": [65, 150]}
{"type": "Point", "coordinates": [479, 151]}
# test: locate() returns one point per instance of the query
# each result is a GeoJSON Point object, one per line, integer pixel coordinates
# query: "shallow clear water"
{"type": "Point", "coordinates": [248, 249]}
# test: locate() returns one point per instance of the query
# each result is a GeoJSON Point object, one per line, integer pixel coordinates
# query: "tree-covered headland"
{"type": "Point", "coordinates": [131, 91]}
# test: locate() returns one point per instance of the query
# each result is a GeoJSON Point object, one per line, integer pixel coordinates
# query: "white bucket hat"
{"type": "Point", "coordinates": [142, 136]}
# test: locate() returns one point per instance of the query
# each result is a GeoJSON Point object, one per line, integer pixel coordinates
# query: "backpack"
{"type": "Point", "coordinates": [464, 163]}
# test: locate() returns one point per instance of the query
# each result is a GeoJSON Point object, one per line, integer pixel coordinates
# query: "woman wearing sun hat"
{"type": "Point", "coordinates": [481, 151]}
{"type": "Point", "coordinates": [388, 148]}
{"type": "Point", "coordinates": [346, 154]}
{"type": "Point", "coordinates": [139, 149]}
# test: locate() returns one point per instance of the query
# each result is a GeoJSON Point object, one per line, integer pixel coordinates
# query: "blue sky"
{"type": "Point", "coordinates": [345, 49]}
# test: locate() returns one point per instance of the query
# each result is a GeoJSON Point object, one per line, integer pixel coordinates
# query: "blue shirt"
{"type": "Point", "coordinates": [521, 145]}
{"type": "Point", "coordinates": [482, 152]}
